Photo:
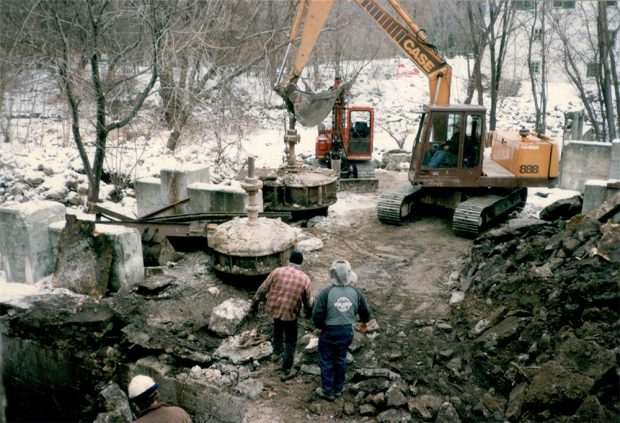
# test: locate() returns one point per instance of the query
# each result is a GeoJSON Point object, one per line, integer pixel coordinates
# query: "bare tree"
{"type": "Point", "coordinates": [95, 38]}
{"type": "Point", "coordinates": [478, 34]}
{"type": "Point", "coordinates": [501, 16]}
{"type": "Point", "coordinates": [539, 40]}
{"type": "Point", "coordinates": [587, 54]}
{"type": "Point", "coordinates": [212, 43]}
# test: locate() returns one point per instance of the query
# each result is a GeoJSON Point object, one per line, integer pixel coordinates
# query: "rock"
{"type": "Point", "coordinates": [590, 410]}
{"type": "Point", "coordinates": [34, 178]}
{"type": "Point", "coordinates": [609, 245]}
{"type": "Point", "coordinates": [310, 369]}
{"type": "Point", "coordinates": [555, 387]}
{"type": "Point", "coordinates": [250, 388]}
{"type": "Point", "coordinates": [394, 416]}
{"type": "Point", "coordinates": [380, 372]}
{"type": "Point", "coordinates": [315, 408]}
{"type": "Point", "coordinates": [359, 340]}
{"type": "Point", "coordinates": [309, 244]}
{"type": "Point", "coordinates": [608, 209]}
{"type": "Point", "coordinates": [367, 410]}
{"type": "Point", "coordinates": [425, 406]}
{"type": "Point", "coordinates": [502, 332]}
{"type": "Point", "coordinates": [562, 209]}
{"type": "Point", "coordinates": [447, 414]}
{"type": "Point", "coordinates": [456, 297]}
{"type": "Point", "coordinates": [455, 364]}
{"type": "Point", "coordinates": [227, 316]}
{"type": "Point", "coordinates": [84, 260]}
{"type": "Point", "coordinates": [515, 401]}
{"type": "Point", "coordinates": [239, 349]}
{"type": "Point", "coordinates": [348, 408]}
{"type": "Point", "coordinates": [117, 405]}
{"type": "Point", "coordinates": [378, 399]}
{"type": "Point", "coordinates": [394, 398]}
{"type": "Point", "coordinates": [371, 386]}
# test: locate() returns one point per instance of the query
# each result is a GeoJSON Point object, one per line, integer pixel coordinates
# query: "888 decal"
{"type": "Point", "coordinates": [528, 169]}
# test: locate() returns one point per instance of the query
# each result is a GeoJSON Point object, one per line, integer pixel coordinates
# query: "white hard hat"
{"type": "Point", "coordinates": [141, 385]}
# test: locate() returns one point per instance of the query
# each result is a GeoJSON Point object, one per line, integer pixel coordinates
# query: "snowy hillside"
{"type": "Point", "coordinates": [45, 163]}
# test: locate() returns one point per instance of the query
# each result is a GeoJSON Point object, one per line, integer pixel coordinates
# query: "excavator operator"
{"type": "Point", "coordinates": [447, 155]}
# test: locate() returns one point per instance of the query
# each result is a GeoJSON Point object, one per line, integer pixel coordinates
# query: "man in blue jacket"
{"type": "Point", "coordinates": [335, 313]}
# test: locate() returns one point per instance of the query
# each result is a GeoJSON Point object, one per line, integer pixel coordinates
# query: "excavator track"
{"type": "Point", "coordinates": [394, 207]}
{"type": "Point", "coordinates": [477, 213]}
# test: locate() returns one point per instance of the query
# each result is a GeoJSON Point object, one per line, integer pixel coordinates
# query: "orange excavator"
{"type": "Point", "coordinates": [448, 165]}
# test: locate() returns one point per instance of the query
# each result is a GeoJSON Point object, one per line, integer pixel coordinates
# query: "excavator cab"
{"type": "Point", "coordinates": [360, 128]}
{"type": "Point", "coordinates": [448, 149]}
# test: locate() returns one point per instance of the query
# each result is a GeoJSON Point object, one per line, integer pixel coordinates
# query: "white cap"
{"type": "Point", "coordinates": [141, 385]}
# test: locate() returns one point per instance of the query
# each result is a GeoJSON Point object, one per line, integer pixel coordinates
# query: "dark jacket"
{"type": "Point", "coordinates": [338, 305]}
{"type": "Point", "coordinates": [163, 413]}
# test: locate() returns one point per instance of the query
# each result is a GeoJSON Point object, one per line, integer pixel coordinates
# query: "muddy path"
{"type": "Point", "coordinates": [404, 273]}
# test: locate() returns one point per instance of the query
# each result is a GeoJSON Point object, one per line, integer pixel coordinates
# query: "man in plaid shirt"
{"type": "Point", "coordinates": [286, 288]}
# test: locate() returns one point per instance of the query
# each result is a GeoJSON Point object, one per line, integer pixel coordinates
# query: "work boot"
{"type": "Point", "coordinates": [286, 375]}
{"type": "Point", "coordinates": [275, 358]}
{"type": "Point", "coordinates": [320, 393]}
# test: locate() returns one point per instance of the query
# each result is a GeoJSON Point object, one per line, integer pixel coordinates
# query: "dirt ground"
{"type": "Point", "coordinates": [408, 274]}
{"type": "Point", "coordinates": [403, 273]}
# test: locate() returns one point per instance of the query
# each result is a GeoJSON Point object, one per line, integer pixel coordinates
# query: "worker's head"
{"type": "Point", "coordinates": [341, 274]}
{"type": "Point", "coordinates": [456, 126]}
{"type": "Point", "coordinates": [296, 258]}
{"type": "Point", "coordinates": [142, 391]}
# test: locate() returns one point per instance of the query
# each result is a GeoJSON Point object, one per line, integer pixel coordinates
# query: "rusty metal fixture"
{"type": "Point", "coordinates": [251, 246]}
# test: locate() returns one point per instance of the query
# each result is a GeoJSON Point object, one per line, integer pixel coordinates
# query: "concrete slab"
{"type": "Point", "coordinates": [26, 251]}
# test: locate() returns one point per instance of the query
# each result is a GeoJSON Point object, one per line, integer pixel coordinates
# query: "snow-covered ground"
{"type": "Point", "coordinates": [47, 165]}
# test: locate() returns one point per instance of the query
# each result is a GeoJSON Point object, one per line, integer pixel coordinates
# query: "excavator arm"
{"type": "Point", "coordinates": [409, 37]}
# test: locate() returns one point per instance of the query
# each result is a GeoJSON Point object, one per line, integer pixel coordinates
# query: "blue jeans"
{"type": "Point", "coordinates": [333, 345]}
{"type": "Point", "coordinates": [285, 338]}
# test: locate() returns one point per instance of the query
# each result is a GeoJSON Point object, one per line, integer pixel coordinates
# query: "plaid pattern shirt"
{"type": "Point", "coordinates": [286, 288]}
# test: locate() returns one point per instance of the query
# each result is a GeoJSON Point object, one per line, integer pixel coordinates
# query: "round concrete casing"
{"type": "Point", "coordinates": [241, 247]}
{"type": "Point", "coordinates": [297, 189]}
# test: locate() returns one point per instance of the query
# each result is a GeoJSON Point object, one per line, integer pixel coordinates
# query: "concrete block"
{"type": "Point", "coordinates": [583, 160]}
{"type": "Point", "coordinates": [148, 195]}
{"type": "Point", "coordinates": [26, 250]}
{"type": "Point", "coordinates": [614, 166]}
{"type": "Point", "coordinates": [127, 262]}
{"type": "Point", "coordinates": [595, 192]}
{"type": "Point", "coordinates": [174, 183]}
{"type": "Point", "coordinates": [226, 198]}
{"type": "Point", "coordinates": [55, 231]}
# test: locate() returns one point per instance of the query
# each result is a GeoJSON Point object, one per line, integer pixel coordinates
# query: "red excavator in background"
{"type": "Point", "coordinates": [348, 144]}
{"type": "Point", "coordinates": [448, 165]}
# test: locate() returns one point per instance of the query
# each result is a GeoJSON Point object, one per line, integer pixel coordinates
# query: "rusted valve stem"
{"type": "Point", "coordinates": [252, 185]}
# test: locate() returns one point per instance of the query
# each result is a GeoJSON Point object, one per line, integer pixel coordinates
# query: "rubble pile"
{"type": "Point", "coordinates": [539, 321]}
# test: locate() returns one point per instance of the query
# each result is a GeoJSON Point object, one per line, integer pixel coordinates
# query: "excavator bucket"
{"type": "Point", "coordinates": [308, 108]}
{"type": "Point", "coordinates": [358, 184]}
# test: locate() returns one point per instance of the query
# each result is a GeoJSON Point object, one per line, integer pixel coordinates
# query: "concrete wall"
{"type": "Point", "coordinates": [582, 161]}
{"type": "Point", "coordinates": [44, 384]}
